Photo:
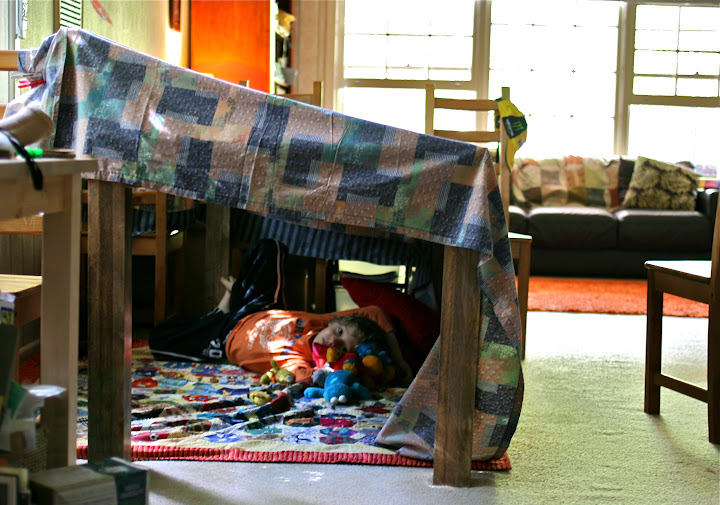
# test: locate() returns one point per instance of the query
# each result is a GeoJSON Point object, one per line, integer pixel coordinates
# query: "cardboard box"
{"type": "Point", "coordinates": [131, 481]}
{"type": "Point", "coordinates": [72, 485]}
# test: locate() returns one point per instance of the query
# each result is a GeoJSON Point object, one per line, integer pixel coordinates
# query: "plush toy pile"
{"type": "Point", "coordinates": [345, 377]}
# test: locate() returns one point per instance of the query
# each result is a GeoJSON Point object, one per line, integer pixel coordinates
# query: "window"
{"type": "Point", "coordinates": [392, 48]}
{"type": "Point", "coordinates": [674, 87]}
{"type": "Point", "coordinates": [592, 77]}
{"type": "Point", "coordinates": [560, 65]}
{"type": "Point", "coordinates": [418, 40]}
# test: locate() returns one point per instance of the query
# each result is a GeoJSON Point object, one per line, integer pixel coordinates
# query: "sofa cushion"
{"type": "Point", "coordinates": [572, 228]}
{"type": "Point", "coordinates": [567, 181]}
{"type": "Point", "coordinates": [663, 230]}
{"type": "Point", "coordinates": [658, 185]}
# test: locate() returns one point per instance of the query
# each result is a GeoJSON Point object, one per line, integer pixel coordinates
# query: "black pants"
{"type": "Point", "coordinates": [259, 287]}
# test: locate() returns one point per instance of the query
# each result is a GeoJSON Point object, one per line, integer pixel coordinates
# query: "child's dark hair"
{"type": "Point", "coordinates": [366, 330]}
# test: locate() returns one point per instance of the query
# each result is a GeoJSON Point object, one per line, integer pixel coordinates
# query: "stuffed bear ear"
{"type": "Point", "coordinates": [319, 375]}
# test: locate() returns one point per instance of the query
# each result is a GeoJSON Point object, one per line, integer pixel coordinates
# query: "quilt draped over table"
{"type": "Point", "coordinates": [168, 128]}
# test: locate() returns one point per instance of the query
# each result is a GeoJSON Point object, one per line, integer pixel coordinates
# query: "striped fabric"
{"type": "Point", "coordinates": [383, 249]}
{"type": "Point", "coordinates": [167, 128]}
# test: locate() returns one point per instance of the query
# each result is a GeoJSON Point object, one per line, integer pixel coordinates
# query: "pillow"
{"type": "Point", "coordinates": [417, 324]}
{"type": "Point", "coordinates": [567, 181]}
{"type": "Point", "coordinates": [663, 186]}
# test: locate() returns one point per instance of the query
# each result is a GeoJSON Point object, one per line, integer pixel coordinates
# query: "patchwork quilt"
{"type": "Point", "coordinates": [200, 408]}
{"type": "Point", "coordinates": [168, 128]}
{"type": "Point", "coordinates": [568, 181]}
{"type": "Point", "coordinates": [199, 411]}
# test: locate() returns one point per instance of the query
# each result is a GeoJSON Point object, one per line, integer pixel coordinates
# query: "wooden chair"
{"type": "Point", "coordinates": [160, 244]}
{"type": "Point", "coordinates": [695, 280]}
{"type": "Point", "coordinates": [314, 98]}
{"type": "Point", "coordinates": [520, 244]}
{"type": "Point", "coordinates": [146, 244]}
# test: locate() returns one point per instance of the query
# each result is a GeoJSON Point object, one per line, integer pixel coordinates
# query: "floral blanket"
{"type": "Point", "coordinates": [183, 410]}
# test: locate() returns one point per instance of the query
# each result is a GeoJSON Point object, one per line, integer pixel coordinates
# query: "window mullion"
{"type": "Point", "coordinates": [407, 84]}
{"type": "Point", "coordinates": [677, 101]}
{"type": "Point", "coordinates": [623, 89]}
{"type": "Point", "coordinates": [481, 48]}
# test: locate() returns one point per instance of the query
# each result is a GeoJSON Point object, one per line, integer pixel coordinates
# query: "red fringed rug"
{"type": "Point", "coordinates": [208, 454]}
{"type": "Point", "coordinates": [608, 296]}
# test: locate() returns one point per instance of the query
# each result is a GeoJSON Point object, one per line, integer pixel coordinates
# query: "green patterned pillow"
{"type": "Point", "coordinates": [658, 185]}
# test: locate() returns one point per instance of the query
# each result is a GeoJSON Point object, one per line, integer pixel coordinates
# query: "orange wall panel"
{"type": "Point", "coordinates": [231, 40]}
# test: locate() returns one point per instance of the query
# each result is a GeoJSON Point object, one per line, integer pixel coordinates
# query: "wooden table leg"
{"type": "Point", "coordinates": [217, 252]}
{"type": "Point", "coordinates": [110, 320]}
{"type": "Point", "coordinates": [524, 251]}
{"type": "Point", "coordinates": [460, 325]}
{"type": "Point", "coordinates": [59, 323]}
{"type": "Point", "coordinates": [653, 345]}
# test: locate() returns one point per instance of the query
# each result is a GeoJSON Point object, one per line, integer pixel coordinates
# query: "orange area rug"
{"type": "Point", "coordinates": [607, 296]}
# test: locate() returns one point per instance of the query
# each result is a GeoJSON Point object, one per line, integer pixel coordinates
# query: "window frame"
{"type": "Point", "coordinates": [8, 30]}
{"type": "Point", "coordinates": [479, 71]}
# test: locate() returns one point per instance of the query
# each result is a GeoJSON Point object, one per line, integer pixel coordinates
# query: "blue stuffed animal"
{"type": "Point", "coordinates": [341, 386]}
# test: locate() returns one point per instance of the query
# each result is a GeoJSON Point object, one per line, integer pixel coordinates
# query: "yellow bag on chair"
{"type": "Point", "coordinates": [515, 127]}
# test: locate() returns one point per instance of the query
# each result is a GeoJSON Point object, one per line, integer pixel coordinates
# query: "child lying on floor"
{"type": "Point", "coordinates": [250, 326]}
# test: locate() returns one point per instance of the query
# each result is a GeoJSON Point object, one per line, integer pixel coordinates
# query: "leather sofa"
{"type": "Point", "coordinates": [590, 241]}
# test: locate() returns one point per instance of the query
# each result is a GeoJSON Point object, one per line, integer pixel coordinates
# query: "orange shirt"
{"type": "Point", "coordinates": [285, 336]}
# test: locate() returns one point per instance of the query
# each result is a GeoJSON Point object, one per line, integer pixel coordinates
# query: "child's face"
{"type": "Point", "coordinates": [338, 336]}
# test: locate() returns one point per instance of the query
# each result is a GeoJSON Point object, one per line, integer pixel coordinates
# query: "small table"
{"type": "Point", "coordinates": [59, 201]}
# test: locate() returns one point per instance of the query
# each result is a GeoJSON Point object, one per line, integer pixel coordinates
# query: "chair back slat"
{"type": "Point", "coordinates": [479, 105]}
{"type": "Point", "coordinates": [475, 137]}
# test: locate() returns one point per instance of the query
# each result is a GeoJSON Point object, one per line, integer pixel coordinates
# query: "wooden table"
{"type": "Point", "coordinates": [110, 324]}
{"type": "Point", "coordinates": [59, 201]}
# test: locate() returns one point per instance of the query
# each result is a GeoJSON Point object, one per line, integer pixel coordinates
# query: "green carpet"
{"type": "Point", "coordinates": [583, 436]}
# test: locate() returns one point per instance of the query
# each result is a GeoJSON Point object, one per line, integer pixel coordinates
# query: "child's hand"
{"type": "Point", "coordinates": [404, 372]}
{"type": "Point", "coordinates": [227, 283]}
